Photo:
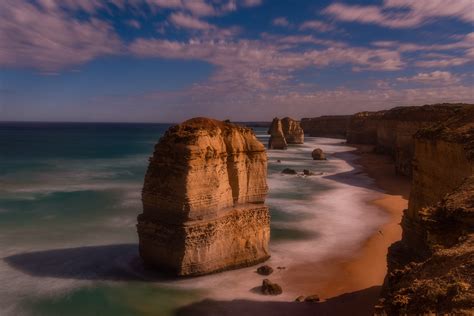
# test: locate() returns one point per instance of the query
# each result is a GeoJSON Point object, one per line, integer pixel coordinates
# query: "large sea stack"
{"type": "Point", "coordinates": [431, 269]}
{"type": "Point", "coordinates": [203, 200]}
{"type": "Point", "coordinates": [292, 131]}
{"type": "Point", "coordinates": [277, 138]}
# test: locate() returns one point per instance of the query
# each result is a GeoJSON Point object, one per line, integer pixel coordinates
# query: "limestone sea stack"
{"type": "Point", "coordinates": [277, 138]}
{"type": "Point", "coordinates": [203, 200]}
{"type": "Point", "coordinates": [292, 131]}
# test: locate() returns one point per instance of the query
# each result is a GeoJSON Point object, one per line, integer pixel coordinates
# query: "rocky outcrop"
{"type": "Point", "coordinates": [203, 200]}
{"type": "Point", "coordinates": [334, 126]}
{"type": "Point", "coordinates": [431, 268]}
{"type": "Point", "coordinates": [292, 131]}
{"type": "Point", "coordinates": [362, 127]}
{"type": "Point", "coordinates": [277, 138]}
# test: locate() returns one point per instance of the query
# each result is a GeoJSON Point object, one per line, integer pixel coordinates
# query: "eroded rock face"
{"type": "Point", "coordinates": [277, 138]}
{"type": "Point", "coordinates": [431, 268]}
{"type": "Point", "coordinates": [292, 131]}
{"type": "Point", "coordinates": [334, 126]}
{"type": "Point", "coordinates": [362, 128]}
{"type": "Point", "coordinates": [203, 200]}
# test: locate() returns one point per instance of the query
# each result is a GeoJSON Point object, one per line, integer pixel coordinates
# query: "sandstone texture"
{"type": "Point", "coordinates": [431, 270]}
{"type": "Point", "coordinates": [334, 126]}
{"type": "Point", "coordinates": [292, 131]}
{"type": "Point", "coordinates": [203, 200]}
{"type": "Point", "coordinates": [277, 138]}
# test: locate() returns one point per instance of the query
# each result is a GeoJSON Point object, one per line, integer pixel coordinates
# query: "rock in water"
{"type": "Point", "coordinates": [277, 138]}
{"type": "Point", "coordinates": [318, 154]}
{"type": "Point", "coordinates": [292, 131]}
{"type": "Point", "coordinates": [203, 200]}
{"type": "Point", "coordinates": [312, 298]}
{"type": "Point", "coordinates": [265, 270]}
{"type": "Point", "coordinates": [289, 171]}
{"type": "Point", "coordinates": [270, 288]}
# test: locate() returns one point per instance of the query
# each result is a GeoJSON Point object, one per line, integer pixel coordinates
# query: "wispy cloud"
{"type": "Point", "coordinates": [281, 21]}
{"type": "Point", "coordinates": [316, 25]}
{"type": "Point", "coordinates": [402, 13]}
{"type": "Point", "coordinates": [435, 77]}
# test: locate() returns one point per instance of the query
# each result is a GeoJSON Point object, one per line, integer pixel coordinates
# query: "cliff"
{"type": "Point", "coordinates": [334, 126]}
{"type": "Point", "coordinates": [362, 127]}
{"type": "Point", "coordinates": [431, 268]}
{"type": "Point", "coordinates": [277, 138]}
{"type": "Point", "coordinates": [292, 131]}
{"type": "Point", "coordinates": [203, 200]}
{"type": "Point", "coordinates": [397, 127]}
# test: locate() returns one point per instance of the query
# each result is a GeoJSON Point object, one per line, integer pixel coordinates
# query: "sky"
{"type": "Point", "coordinates": [244, 60]}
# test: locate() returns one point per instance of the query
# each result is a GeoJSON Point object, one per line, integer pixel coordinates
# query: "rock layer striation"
{"type": "Point", "coordinates": [203, 200]}
{"type": "Point", "coordinates": [292, 131]}
{"type": "Point", "coordinates": [277, 137]}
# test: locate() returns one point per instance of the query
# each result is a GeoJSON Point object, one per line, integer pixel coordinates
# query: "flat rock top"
{"type": "Point", "coordinates": [429, 112]}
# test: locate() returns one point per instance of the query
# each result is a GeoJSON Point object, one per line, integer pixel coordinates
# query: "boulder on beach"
{"type": "Point", "coordinates": [289, 171]}
{"type": "Point", "coordinates": [318, 154]}
{"type": "Point", "coordinates": [307, 172]}
{"type": "Point", "coordinates": [270, 288]}
{"type": "Point", "coordinates": [265, 270]}
{"type": "Point", "coordinates": [300, 299]}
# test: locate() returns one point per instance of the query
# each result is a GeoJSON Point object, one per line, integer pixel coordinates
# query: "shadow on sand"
{"type": "Point", "coordinates": [106, 262]}
{"type": "Point", "coordinates": [359, 303]}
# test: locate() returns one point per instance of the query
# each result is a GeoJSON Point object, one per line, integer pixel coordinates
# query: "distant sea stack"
{"type": "Point", "coordinates": [292, 131]}
{"type": "Point", "coordinates": [203, 200]}
{"type": "Point", "coordinates": [431, 268]}
{"type": "Point", "coordinates": [334, 126]}
{"type": "Point", "coordinates": [277, 138]}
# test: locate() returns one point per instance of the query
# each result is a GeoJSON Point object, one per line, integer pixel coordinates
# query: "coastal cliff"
{"type": "Point", "coordinates": [277, 138]}
{"type": "Point", "coordinates": [292, 131]}
{"type": "Point", "coordinates": [334, 126]}
{"type": "Point", "coordinates": [203, 200]}
{"type": "Point", "coordinates": [362, 127]}
{"type": "Point", "coordinates": [431, 268]}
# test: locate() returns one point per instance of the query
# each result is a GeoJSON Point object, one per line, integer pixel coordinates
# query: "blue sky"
{"type": "Point", "coordinates": [169, 60]}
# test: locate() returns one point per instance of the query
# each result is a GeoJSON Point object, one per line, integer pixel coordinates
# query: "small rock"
{"type": "Point", "coordinates": [289, 171]}
{"type": "Point", "coordinates": [307, 172]}
{"type": "Point", "coordinates": [265, 270]}
{"type": "Point", "coordinates": [270, 288]}
{"type": "Point", "coordinates": [318, 154]}
{"type": "Point", "coordinates": [281, 268]}
{"type": "Point", "coordinates": [312, 298]}
{"type": "Point", "coordinates": [278, 160]}
{"type": "Point", "coordinates": [299, 299]}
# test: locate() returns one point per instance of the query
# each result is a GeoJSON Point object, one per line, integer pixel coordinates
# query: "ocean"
{"type": "Point", "coordinates": [70, 194]}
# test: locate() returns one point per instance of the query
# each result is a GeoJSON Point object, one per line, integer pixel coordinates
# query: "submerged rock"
{"type": "Point", "coordinates": [307, 172]}
{"type": "Point", "coordinates": [277, 138]}
{"type": "Point", "coordinates": [292, 131]}
{"type": "Point", "coordinates": [289, 171]}
{"type": "Point", "coordinates": [270, 288]}
{"type": "Point", "coordinates": [299, 299]}
{"type": "Point", "coordinates": [265, 270]}
{"type": "Point", "coordinates": [203, 200]}
{"type": "Point", "coordinates": [318, 154]}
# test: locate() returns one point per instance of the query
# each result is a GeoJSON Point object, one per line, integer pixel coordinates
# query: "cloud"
{"type": "Point", "coordinates": [281, 21]}
{"type": "Point", "coordinates": [188, 22]}
{"type": "Point", "coordinates": [315, 25]}
{"type": "Point", "coordinates": [435, 77]}
{"type": "Point", "coordinates": [251, 3]}
{"type": "Point", "coordinates": [44, 37]}
{"type": "Point", "coordinates": [134, 23]}
{"type": "Point", "coordinates": [402, 13]}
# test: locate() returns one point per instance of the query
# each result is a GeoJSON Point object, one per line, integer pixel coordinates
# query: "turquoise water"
{"type": "Point", "coordinates": [69, 197]}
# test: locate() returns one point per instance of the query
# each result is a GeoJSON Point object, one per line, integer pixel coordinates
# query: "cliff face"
{"type": "Point", "coordinates": [203, 199]}
{"type": "Point", "coordinates": [397, 127]}
{"type": "Point", "coordinates": [334, 126]}
{"type": "Point", "coordinates": [431, 268]}
{"type": "Point", "coordinates": [362, 127]}
{"type": "Point", "coordinates": [277, 138]}
{"type": "Point", "coordinates": [292, 131]}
